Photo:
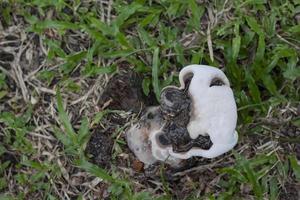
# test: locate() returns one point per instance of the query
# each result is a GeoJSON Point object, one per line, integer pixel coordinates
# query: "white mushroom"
{"type": "Point", "coordinates": [138, 135]}
{"type": "Point", "coordinates": [141, 139]}
{"type": "Point", "coordinates": [213, 113]}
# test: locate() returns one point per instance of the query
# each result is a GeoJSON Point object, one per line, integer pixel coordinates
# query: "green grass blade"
{"type": "Point", "coordinates": [155, 71]}
{"type": "Point", "coordinates": [270, 84]}
{"type": "Point", "coordinates": [295, 166]}
{"type": "Point", "coordinates": [63, 115]}
{"type": "Point", "coordinates": [146, 37]}
{"type": "Point", "coordinates": [254, 25]}
{"type": "Point", "coordinates": [83, 133]}
{"type": "Point", "coordinates": [94, 170]}
{"type": "Point", "coordinates": [236, 43]}
{"type": "Point", "coordinates": [252, 177]}
{"type": "Point", "coordinates": [254, 91]}
{"type": "Point", "coordinates": [197, 12]}
{"type": "Point", "coordinates": [260, 52]}
{"type": "Point", "coordinates": [146, 86]}
{"type": "Point", "coordinates": [273, 189]}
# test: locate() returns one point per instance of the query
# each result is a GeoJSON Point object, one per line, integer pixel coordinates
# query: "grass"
{"type": "Point", "coordinates": [64, 53]}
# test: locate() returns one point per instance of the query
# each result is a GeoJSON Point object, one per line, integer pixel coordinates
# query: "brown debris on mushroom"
{"type": "Point", "coordinates": [175, 109]}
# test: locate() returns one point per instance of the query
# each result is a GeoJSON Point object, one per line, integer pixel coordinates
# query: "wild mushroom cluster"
{"type": "Point", "coordinates": [196, 119]}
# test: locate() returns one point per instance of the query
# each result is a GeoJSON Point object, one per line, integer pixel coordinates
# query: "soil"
{"type": "Point", "coordinates": [9, 157]}
{"type": "Point", "coordinates": [6, 57]}
{"type": "Point", "coordinates": [297, 151]}
{"type": "Point", "coordinates": [100, 147]}
{"type": "Point", "coordinates": [124, 92]}
{"type": "Point", "coordinates": [290, 134]}
{"type": "Point", "coordinates": [290, 192]}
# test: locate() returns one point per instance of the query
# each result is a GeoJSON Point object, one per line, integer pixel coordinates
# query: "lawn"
{"type": "Point", "coordinates": [76, 74]}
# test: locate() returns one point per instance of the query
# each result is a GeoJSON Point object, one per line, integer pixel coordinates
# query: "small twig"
{"type": "Point", "coordinates": [209, 44]}
{"type": "Point", "coordinates": [84, 97]}
{"type": "Point", "coordinates": [44, 50]}
{"type": "Point", "coordinates": [46, 90]}
{"type": "Point", "coordinates": [208, 166]}
{"type": "Point", "coordinates": [42, 89]}
{"type": "Point", "coordinates": [42, 136]}
{"type": "Point", "coordinates": [289, 43]}
{"type": "Point", "coordinates": [19, 73]}
{"type": "Point", "coordinates": [27, 77]}
{"type": "Point", "coordinates": [109, 12]}
{"type": "Point", "coordinates": [7, 73]}
{"type": "Point", "coordinates": [102, 12]}
{"type": "Point", "coordinates": [290, 140]}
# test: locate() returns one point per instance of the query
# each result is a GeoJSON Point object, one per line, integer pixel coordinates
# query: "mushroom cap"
{"type": "Point", "coordinates": [213, 111]}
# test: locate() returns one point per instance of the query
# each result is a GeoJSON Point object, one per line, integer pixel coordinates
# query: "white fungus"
{"type": "Point", "coordinates": [213, 112]}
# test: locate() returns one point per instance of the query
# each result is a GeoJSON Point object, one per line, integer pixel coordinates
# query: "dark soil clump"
{"type": "Point", "coordinates": [100, 147]}
{"type": "Point", "coordinates": [297, 151]}
{"type": "Point", "coordinates": [175, 110]}
{"type": "Point", "coordinates": [290, 192]}
{"type": "Point", "coordinates": [6, 57]}
{"type": "Point", "coordinates": [124, 92]}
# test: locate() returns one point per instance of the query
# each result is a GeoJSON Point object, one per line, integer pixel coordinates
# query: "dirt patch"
{"type": "Point", "coordinates": [100, 148]}
{"type": "Point", "coordinates": [291, 134]}
{"type": "Point", "coordinates": [6, 57]}
{"type": "Point", "coordinates": [123, 92]}
{"type": "Point", "coordinates": [9, 157]}
{"type": "Point", "coordinates": [297, 151]}
{"type": "Point", "coordinates": [290, 192]}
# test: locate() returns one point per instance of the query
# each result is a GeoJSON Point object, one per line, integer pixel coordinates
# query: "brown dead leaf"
{"type": "Point", "coordinates": [138, 166]}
